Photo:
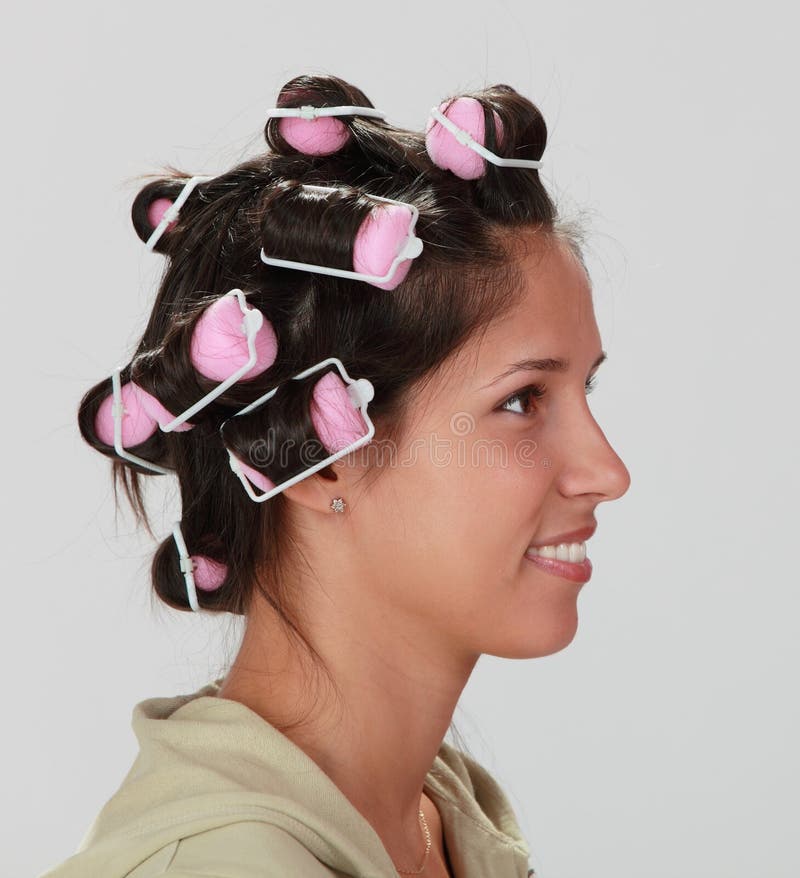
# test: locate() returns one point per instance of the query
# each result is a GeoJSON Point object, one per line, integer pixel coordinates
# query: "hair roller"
{"type": "Point", "coordinates": [329, 411]}
{"type": "Point", "coordinates": [383, 242]}
{"type": "Point", "coordinates": [292, 210]}
{"type": "Point", "coordinates": [156, 211]}
{"type": "Point", "coordinates": [443, 145]}
{"type": "Point", "coordinates": [155, 409]}
{"type": "Point", "coordinates": [335, 419]}
{"type": "Point", "coordinates": [378, 241]}
{"type": "Point", "coordinates": [305, 118]}
{"type": "Point", "coordinates": [178, 574]}
{"type": "Point", "coordinates": [226, 341]}
{"type": "Point", "coordinates": [465, 136]}
{"type": "Point", "coordinates": [156, 208]}
{"type": "Point", "coordinates": [315, 135]}
{"type": "Point", "coordinates": [137, 424]}
{"type": "Point", "coordinates": [142, 413]}
{"type": "Point", "coordinates": [208, 573]}
{"type": "Point", "coordinates": [219, 346]}
{"type": "Point", "coordinates": [118, 399]}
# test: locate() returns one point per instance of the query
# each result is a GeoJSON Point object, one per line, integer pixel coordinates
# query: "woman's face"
{"type": "Point", "coordinates": [488, 470]}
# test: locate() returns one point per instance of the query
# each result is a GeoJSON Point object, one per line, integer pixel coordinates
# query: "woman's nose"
{"type": "Point", "coordinates": [590, 464]}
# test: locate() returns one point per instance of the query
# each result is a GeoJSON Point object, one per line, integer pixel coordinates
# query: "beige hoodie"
{"type": "Point", "coordinates": [216, 791]}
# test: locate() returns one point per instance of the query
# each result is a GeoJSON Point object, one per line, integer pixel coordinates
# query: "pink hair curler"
{"type": "Point", "coordinates": [337, 422]}
{"type": "Point", "coordinates": [230, 343]}
{"type": "Point", "coordinates": [313, 130]}
{"type": "Point", "coordinates": [156, 211]}
{"type": "Point", "coordinates": [163, 212]}
{"type": "Point", "coordinates": [128, 416]}
{"type": "Point", "coordinates": [155, 409]}
{"type": "Point", "coordinates": [455, 137]}
{"type": "Point", "coordinates": [199, 571]}
{"type": "Point", "coordinates": [314, 136]}
{"type": "Point", "coordinates": [378, 242]}
{"type": "Point", "coordinates": [137, 424]}
{"type": "Point", "coordinates": [383, 249]}
{"type": "Point", "coordinates": [339, 414]}
{"type": "Point", "coordinates": [219, 347]}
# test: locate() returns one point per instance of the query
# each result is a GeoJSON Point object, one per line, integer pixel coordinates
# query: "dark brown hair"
{"type": "Point", "coordinates": [398, 339]}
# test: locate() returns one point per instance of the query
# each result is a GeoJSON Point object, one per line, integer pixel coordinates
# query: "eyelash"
{"type": "Point", "coordinates": [537, 391]}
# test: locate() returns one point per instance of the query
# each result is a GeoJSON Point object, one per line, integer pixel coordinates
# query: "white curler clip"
{"type": "Point", "coordinates": [411, 247]}
{"type": "Point", "coordinates": [361, 391]}
{"type": "Point", "coordinates": [187, 567]}
{"type": "Point", "coordinates": [117, 410]}
{"type": "Point", "coordinates": [173, 210]}
{"type": "Point", "coordinates": [466, 139]}
{"type": "Point", "coordinates": [309, 112]}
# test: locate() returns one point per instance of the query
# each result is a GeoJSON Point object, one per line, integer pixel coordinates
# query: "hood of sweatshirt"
{"type": "Point", "coordinates": [205, 762]}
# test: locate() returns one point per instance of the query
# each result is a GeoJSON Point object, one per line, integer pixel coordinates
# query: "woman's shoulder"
{"type": "Point", "coordinates": [245, 849]}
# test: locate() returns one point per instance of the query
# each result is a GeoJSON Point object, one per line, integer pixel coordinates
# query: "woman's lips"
{"type": "Point", "coordinates": [574, 571]}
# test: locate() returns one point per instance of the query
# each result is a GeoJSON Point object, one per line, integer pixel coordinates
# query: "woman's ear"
{"type": "Point", "coordinates": [317, 491]}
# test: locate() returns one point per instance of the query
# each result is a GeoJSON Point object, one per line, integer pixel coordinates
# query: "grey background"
{"type": "Point", "coordinates": [662, 741]}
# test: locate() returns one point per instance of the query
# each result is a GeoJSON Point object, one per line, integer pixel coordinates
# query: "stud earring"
{"type": "Point", "coordinates": [337, 504]}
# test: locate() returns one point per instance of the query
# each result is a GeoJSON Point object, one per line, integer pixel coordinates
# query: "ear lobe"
{"type": "Point", "coordinates": [314, 493]}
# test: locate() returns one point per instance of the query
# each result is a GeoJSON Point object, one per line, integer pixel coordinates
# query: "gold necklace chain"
{"type": "Point", "coordinates": [427, 848]}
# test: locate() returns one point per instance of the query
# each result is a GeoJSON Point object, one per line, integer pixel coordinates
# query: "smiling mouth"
{"type": "Point", "coordinates": [579, 570]}
{"type": "Point", "coordinates": [572, 552]}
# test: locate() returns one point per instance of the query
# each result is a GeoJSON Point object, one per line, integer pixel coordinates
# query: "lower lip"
{"type": "Point", "coordinates": [575, 572]}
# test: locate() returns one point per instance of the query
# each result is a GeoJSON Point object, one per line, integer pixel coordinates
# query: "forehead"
{"type": "Point", "coordinates": [555, 313]}
{"type": "Point", "coordinates": [555, 283]}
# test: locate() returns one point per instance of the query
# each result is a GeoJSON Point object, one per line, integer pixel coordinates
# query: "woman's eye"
{"type": "Point", "coordinates": [536, 391]}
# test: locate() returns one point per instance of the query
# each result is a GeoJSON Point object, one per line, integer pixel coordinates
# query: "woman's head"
{"type": "Point", "coordinates": [500, 278]}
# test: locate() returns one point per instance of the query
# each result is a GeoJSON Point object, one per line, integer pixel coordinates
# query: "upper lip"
{"type": "Point", "coordinates": [573, 536]}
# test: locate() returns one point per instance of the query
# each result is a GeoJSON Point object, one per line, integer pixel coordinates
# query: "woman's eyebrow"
{"type": "Point", "coordinates": [544, 364]}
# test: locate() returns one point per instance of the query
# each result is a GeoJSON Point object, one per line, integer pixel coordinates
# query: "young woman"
{"type": "Point", "coordinates": [367, 365]}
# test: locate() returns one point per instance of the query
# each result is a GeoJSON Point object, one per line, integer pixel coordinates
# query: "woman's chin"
{"type": "Point", "coordinates": [543, 637]}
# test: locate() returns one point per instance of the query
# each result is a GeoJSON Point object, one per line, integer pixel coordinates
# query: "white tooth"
{"type": "Point", "coordinates": [572, 552]}
{"type": "Point", "coordinates": [577, 552]}
{"type": "Point", "coordinates": [562, 552]}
